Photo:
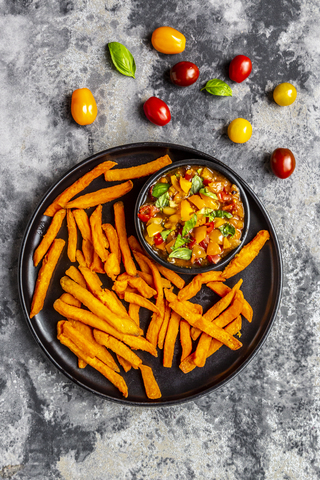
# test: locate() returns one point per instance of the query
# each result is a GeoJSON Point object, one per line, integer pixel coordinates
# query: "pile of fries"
{"type": "Point", "coordinates": [95, 321]}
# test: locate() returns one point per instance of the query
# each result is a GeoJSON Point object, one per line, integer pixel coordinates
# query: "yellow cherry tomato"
{"type": "Point", "coordinates": [83, 106]}
{"type": "Point", "coordinates": [168, 40]}
{"type": "Point", "coordinates": [284, 94]}
{"type": "Point", "coordinates": [239, 130]}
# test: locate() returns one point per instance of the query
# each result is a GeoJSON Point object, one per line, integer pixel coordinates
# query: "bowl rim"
{"type": "Point", "coordinates": [221, 168]}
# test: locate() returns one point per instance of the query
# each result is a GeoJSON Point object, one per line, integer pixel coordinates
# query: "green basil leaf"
{"type": "Point", "coordinates": [207, 193]}
{"type": "Point", "coordinates": [196, 184]}
{"type": "Point", "coordinates": [222, 214]}
{"type": "Point", "coordinates": [215, 213]}
{"type": "Point", "coordinates": [189, 225]}
{"type": "Point", "coordinates": [164, 234]}
{"type": "Point", "coordinates": [227, 229]}
{"type": "Point", "coordinates": [122, 59]}
{"type": "Point", "coordinates": [218, 87]}
{"type": "Point", "coordinates": [159, 189]}
{"type": "Point", "coordinates": [183, 253]}
{"type": "Point", "coordinates": [180, 241]}
{"type": "Point", "coordinates": [163, 201]}
{"type": "Point", "coordinates": [206, 211]}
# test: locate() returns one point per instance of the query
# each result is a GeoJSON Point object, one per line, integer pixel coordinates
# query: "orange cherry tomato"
{"type": "Point", "coordinates": [83, 106]}
{"type": "Point", "coordinates": [168, 40]}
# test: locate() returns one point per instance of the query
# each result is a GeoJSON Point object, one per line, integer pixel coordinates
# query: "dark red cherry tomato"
{"type": "Point", "coordinates": [158, 239]}
{"type": "Point", "coordinates": [213, 258]}
{"type": "Point", "coordinates": [146, 212]}
{"type": "Point", "coordinates": [240, 68]}
{"type": "Point", "coordinates": [184, 74]}
{"type": "Point", "coordinates": [282, 162]}
{"type": "Point", "coordinates": [157, 111]}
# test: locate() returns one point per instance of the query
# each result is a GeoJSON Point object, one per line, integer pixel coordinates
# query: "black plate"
{"type": "Point", "coordinates": [262, 284]}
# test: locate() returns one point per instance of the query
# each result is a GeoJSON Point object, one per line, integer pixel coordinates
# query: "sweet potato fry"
{"type": "Point", "coordinates": [97, 265]}
{"type": "Point", "coordinates": [45, 274]}
{"type": "Point", "coordinates": [120, 222]}
{"type": "Point", "coordinates": [72, 236]}
{"type": "Point", "coordinates": [185, 339]}
{"type": "Point", "coordinates": [80, 258]}
{"type": "Point", "coordinates": [222, 290]}
{"type": "Point", "coordinates": [117, 347]}
{"type": "Point", "coordinates": [110, 374]}
{"type": "Point", "coordinates": [141, 301]}
{"type": "Point", "coordinates": [81, 363]}
{"type": "Point", "coordinates": [156, 280]}
{"type": "Point", "coordinates": [113, 240]}
{"type": "Point", "coordinates": [99, 241]}
{"type": "Point", "coordinates": [170, 340]}
{"type": "Point", "coordinates": [246, 254]}
{"type": "Point", "coordinates": [88, 251]}
{"type": "Point", "coordinates": [164, 326]}
{"type": "Point", "coordinates": [149, 279]}
{"type": "Point", "coordinates": [70, 300]}
{"type": "Point", "coordinates": [102, 196]}
{"type": "Point", "coordinates": [154, 328]}
{"type": "Point", "coordinates": [124, 363]}
{"type": "Point", "coordinates": [135, 245]}
{"type": "Point", "coordinates": [138, 171]}
{"type": "Point", "coordinates": [83, 224]}
{"type": "Point", "coordinates": [112, 266]}
{"type": "Point", "coordinates": [75, 275]}
{"type": "Point", "coordinates": [60, 327]}
{"type": "Point", "coordinates": [195, 308]}
{"type": "Point", "coordinates": [171, 276]}
{"type": "Point", "coordinates": [120, 322]}
{"type": "Point", "coordinates": [195, 285]}
{"type": "Point", "coordinates": [49, 237]}
{"type": "Point", "coordinates": [77, 187]}
{"type": "Point", "coordinates": [120, 286]}
{"type": "Point", "coordinates": [152, 388]}
{"type": "Point", "coordinates": [139, 284]}
{"type": "Point", "coordinates": [134, 313]}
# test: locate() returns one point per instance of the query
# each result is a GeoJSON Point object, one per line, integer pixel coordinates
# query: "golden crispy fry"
{"type": "Point", "coordinates": [195, 285]}
{"type": "Point", "coordinates": [156, 280]}
{"type": "Point", "coordinates": [80, 258]}
{"type": "Point", "coordinates": [138, 171]}
{"type": "Point", "coordinates": [124, 363]}
{"type": "Point", "coordinates": [139, 343]}
{"type": "Point", "coordinates": [110, 374]}
{"type": "Point", "coordinates": [149, 279]}
{"type": "Point", "coordinates": [102, 196]}
{"type": "Point", "coordinates": [139, 284]}
{"type": "Point", "coordinates": [83, 224]}
{"type": "Point", "coordinates": [142, 264]}
{"type": "Point", "coordinates": [88, 251]}
{"type": "Point", "coordinates": [97, 265]}
{"type": "Point", "coordinates": [72, 236]}
{"type": "Point", "coordinates": [154, 329]}
{"type": "Point", "coordinates": [120, 286]}
{"type": "Point", "coordinates": [117, 347]}
{"type": "Point", "coordinates": [134, 313]}
{"type": "Point", "coordinates": [135, 245]}
{"type": "Point", "coordinates": [74, 273]}
{"type": "Point", "coordinates": [77, 187]}
{"type": "Point", "coordinates": [120, 322]}
{"type": "Point", "coordinates": [113, 240]}
{"type": "Point", "coordinates": [60, 327]}
{"type": "Point", "coordinates": [99, 241]}
{"type": "Point", "coordinates": [81, 363]}
{"type": "Point", "coordinates": [112, 266]}
{"type": "Point", "coordinates": [150, 384]}
{"type": "Point", "coordinates": [246, 254]}
{"type": "Point", "coordinates": [164, 326]}
{"type": "Point", "coordinates": [222, 290]}
{"type": "Point", "coordinates": [170, 340]}
{"type": "Point", "coordinates": [171, 276]}
{"type": "Point", "coordinates": [49, 237]}
{"type": "Point", "coordinates": [193, 307]}
{"type": "Point", "coordinates": [139, 300]}
{"type": "Point", "coordinates": [70, 300]}
{"type": "Point", "coordinates": [185, 339]}
{"type": "Point", "coordinates": [120, 304]}
{"type": "Point", "coordinates": [45, 274]}
{"type": "Point", "coordinates": [120, 222]}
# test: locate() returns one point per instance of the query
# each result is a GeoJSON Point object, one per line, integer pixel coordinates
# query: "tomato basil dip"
{"type": "Point", "coordinates": [192, 216]}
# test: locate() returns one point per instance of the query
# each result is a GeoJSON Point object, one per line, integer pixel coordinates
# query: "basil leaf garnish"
{"type": "Point", "coordinates": [163, 201]}
{"type": "Point", "coordinates": [189, 225]}
{"type": "Point", "coordinates": [122, 59]}
{"type": "Point", "coordinates": [159, 189]}
{"type": "Point", "coordinates": [164, 234]}
{"type": "Point", "coordinates": [206, 211]}
{"type": "Point", "coordinates": [222, 214]}
{"type": "Point", "coordinates": [217, 87]}
{"type": "Point", "coordinates": [212, 214]}
{"type": "Point", "coordinates": [207, 193]}
{"type": "Point", "coordinates": [227, 229]}
{"type": "Point", "coordinates": [180, 241]}
{"type": "Point", "coordinates": [196, 184]}
{"type": "Point", "coordinates": [183, 253]}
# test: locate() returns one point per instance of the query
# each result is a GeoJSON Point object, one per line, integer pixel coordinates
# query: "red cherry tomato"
{"type": "Point", "coordinates": [213, 258]}
{"type": "Point", "coordinates": [146, 212]}
{"type": "Point", "coordinates": [240, 68]}
{"type": "Point", "coordinates": [158, 239]}
{"type": "Point", "coordinates": [184, 74]}
{"type": "Point", "coordinates": [282, 162]}
{"type": "Point", "coordinates": [157, 111]}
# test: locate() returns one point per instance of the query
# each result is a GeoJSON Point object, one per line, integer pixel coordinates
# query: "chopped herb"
{"type": "Point", "coordinates": [196, 184]}
{"type": "Point", "coordinates": [227, 229]}
{"type": "Point", "coordinates": [164, 234]}
{"type": "Point", "coordinates": [189, 225]}
{"type": "Point", "coordinates": [163, 201]}
{"type": "Point", "coordinates": [159, 189]}
{"type": "Point", "coordinates": [207, 193]}
{"type": "Point", "coordinates": [180, 241]}
{"type": "Point", "coordinates": [183, 253]}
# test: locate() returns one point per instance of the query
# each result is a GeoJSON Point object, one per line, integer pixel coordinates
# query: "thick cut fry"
{"type": "Point", "coordinates": [97, 265]}
{"type": "Point", "coordinates": [112, 266]}
{"type": "Point", "coordinates": [195, 308]}
{"type": "Point", "coordinates": [170, 340]}
{"type": "Point", "coordinates": [49, 237]}
{"type": "Point", "coordinates": [110, 374]}
{"type": "Point", "coordinates": [246, 254]}
{"type": "Point", "coordinates": [195, 285]}
{"type": "Point", "coordinates": [139, 300]}
{"type": "Point", "coordinates": [154, 329]}
{"type": "Point", "coordinates": [60, 327]}
{"type": "Point", "coordinates": [102, 196]}
{"type": "Point", "coordinates": [156, 280]}
{"type": "Point", "coordinates": [171, 276]}
{"type": "Point", "coordinates": [185, 339]}
{"type": "Point", "coordinates": [124, 363]}
{"type": "Point", "coordinates": [222, 290]}
{"type": "Point", "coordinates": [149, 279]}
{"type": "Point", "coordinates": [77, 187]}
{"type": "Point", "coordinates": [70, 300]}
{"type": "Point", "coordinates": [72, 236]}
{"type": "Point", "coordinates": [99, 240]}
{"type": "Point", "coordinates": [134, 313]}
{"type": "Point", "coordinates": [81, 363]}
{"type": "Point", "coordinates": [80, 258]}
{"type": "Point", "coordinates": [164, 326]}
{"type": "Point", "coordinates": [88, 251]}
{"type": "Point", "coordinates": [113, 239]}
{"type": "Point", "coordinates": [119, 218]}
{"type": "Point", "coordinates": [138, 171]}
{"type": "Point", "coordinates": [117, 347]}
{"type": "Point", "coordinates": [122, 323]}
{"type": "Point", "coordinates": [83, 224]}
{"type": "Point", "coordinates": [74, 273]}
{"type": "Point", "coordinates": [120, 286]}
{"type": "Point", "coordinates": [45, 274]}
{"type": "Point", "coordinates": [142, 264]}
{"type": "Point", "coordinates": [152, 388]}
{"type": "Point", "coordinates": [139, 284]}
{"type": "Point", "coordinates": [135, 245]}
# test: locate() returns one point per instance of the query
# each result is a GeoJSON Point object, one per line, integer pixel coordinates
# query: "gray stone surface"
{"type": "Point", "coordinates": [264, 425]}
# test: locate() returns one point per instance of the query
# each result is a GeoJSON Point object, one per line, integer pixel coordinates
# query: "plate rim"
{"type": "Point", "coordinates": [148, 402]}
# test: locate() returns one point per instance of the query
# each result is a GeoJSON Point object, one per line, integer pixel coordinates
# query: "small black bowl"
{"type": "Point", "coordinates": [142, 198]}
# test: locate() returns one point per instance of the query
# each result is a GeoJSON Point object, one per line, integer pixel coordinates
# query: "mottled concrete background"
{"type": "Point", "coordinates": [265, 423]}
